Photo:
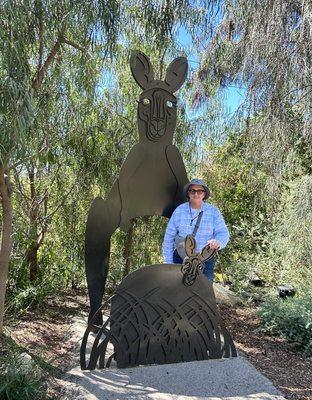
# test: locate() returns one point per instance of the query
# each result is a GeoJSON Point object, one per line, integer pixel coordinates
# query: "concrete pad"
{"type": "Point", "coordinates": [227, 379]}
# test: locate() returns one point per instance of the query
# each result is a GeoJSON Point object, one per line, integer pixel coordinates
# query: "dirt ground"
{"type": "Point", "coordinates": [46, 335]}
{"type": "Point", "coordinates": [274, 357]}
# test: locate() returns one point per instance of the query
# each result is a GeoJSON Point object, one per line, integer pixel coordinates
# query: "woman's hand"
{"type": "Point", "coordinates": [214, 244]}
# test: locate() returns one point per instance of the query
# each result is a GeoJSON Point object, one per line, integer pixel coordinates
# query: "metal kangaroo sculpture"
{"type": "Point", "coordinates": [151, 179]}
{"type": "Point", "coordinates": [155, 319]}
{"type": "Point", "coordinates": [194, 263]}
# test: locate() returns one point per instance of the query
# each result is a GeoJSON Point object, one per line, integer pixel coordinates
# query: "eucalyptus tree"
{"type": "Point", "coordinates": [266, 48]}
{"type": "Point", "coordinates": [35, 39]}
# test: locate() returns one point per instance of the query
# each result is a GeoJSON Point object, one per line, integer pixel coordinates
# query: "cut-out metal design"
{"type": "Point", "coordinates": [154, 318]}
{"type": "Point", "coordinates": [152, 177]}
{"type": "Point", "coordinates": [194, 263]}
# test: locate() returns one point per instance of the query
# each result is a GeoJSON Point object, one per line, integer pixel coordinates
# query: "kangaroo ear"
{"type": "Point", "coordinates": [176, 73]}
{"type": "Point", "coordinates": [141, 68]}
{"type": "Point", "coordinates": [207, 252]}
{"type": "Point", "coordinates": [190, 245]}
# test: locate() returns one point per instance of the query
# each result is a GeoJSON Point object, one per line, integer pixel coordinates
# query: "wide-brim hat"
{"type": "Point", "coordinates": [196, 182]}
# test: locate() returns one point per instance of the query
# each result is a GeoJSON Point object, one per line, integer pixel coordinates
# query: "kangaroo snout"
{"type": "Point", "coordinates": [158, 127]}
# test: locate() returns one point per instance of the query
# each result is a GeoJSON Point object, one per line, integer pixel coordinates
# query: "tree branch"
{"type": "Point", "coordinates": [28, 158]}
{"type": "Point", "coordinates": [76, 46]}
{"type": "Point", "coordinates": [40, 57]}
{"type": "Point", "coordinates": [44, 225]}
{"type": "Point", "coordinates": [21, 190]}
{"type": "Point", "coordinates": [49, 217]}
{"type": "Point", "coordinates": [43, 70]}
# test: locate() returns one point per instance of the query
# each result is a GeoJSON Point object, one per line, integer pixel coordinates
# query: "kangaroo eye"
{"type": "Point", "coordinates": [169, 103]}
{"type": "Point", "coordinates": [146, 101]}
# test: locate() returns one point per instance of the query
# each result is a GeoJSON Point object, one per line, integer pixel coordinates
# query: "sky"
{"type": "Point", "coordinates": [233, 96]}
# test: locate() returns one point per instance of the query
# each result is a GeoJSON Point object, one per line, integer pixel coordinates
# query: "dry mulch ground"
{"type": "Point", "coordinates": [274, 357]}
{"type": "Point", "coordinates": [46, 335]}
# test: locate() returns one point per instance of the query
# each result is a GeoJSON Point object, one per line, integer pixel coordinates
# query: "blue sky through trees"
{"type": "Point", "coordinates": [232, 96]}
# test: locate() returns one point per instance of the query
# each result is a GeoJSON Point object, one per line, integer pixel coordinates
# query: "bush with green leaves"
{"type": "Point", "coordinates": [20, 379]}
{"type": "Point", "coordinates": [287, 257]}
{"type": "Point", "coordinates": [28, 297]}
{"type": "Point", "coordinates": [290, 318]}
{"type": "Point", "coordinates": [270, 232]}
{"type": "Point", "coordinates": [237, 190]}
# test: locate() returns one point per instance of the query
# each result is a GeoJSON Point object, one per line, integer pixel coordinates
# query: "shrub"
{"type": "Point", "coordinates": [20, 380]}
{"type": "Point", "coordinates": [290, 318]}
{"type": "Point", "coordinates": [287, 257]}
{"type": "Point", "coordinates": [30, 297]}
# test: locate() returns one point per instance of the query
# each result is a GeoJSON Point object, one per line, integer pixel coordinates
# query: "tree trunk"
{"type": "Point", "coordinates": [31, 256]}
{"type": "Point", "coordinates": [128, 247]}
{"type": "Point", "coordinates": [5, 193]}
{"type": "Point", "coordinates": [32, 260]}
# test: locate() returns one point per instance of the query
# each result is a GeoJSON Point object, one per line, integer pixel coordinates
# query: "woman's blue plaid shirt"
{"type": "Point", "coordinates": [182, 223]}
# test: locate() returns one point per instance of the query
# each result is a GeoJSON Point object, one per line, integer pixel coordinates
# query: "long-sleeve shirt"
{"type": "Point", "coordinates": [183, 221]}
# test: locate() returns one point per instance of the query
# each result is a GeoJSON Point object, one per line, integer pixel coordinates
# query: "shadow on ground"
{"type": "Point", "coordinates": [210, 379]}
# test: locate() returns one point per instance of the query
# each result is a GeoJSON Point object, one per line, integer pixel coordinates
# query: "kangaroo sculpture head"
{"type": "Point", "coordinates": [193, 263]}
{"type": "Point", "coordinates": [157, 105]}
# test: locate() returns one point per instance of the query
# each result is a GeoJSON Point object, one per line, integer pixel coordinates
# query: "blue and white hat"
{"type": "Point", "coordinates": [196, 181]}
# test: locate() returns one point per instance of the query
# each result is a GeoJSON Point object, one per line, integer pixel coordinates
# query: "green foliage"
{"type": "Point", "coordinates": [148, 240]}
{"type": "Point", "coordinates": [21, 299]}
{"type": "Point", "coordinates": [234, 184]}
{"type": "Point", "coordinates": [236, 189]}
{"type": "Point", "coordinates": [250, 49]}
{"type": "Point", "coordinates": [64, 144]}
{"type": "Point", "coordinates": [146, 248]}
{"type": "Point", "coordinates": [287, 256]}
{"type": "Point", "coordinates": [291, 318]}
{"type": "Point", "coordinates": [20, 380]}
{"type": "Point", "coordinates": [270, 234]}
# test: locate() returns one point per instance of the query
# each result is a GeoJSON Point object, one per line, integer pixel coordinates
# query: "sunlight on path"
{"type": "Point", "coordinates": [227, 379]}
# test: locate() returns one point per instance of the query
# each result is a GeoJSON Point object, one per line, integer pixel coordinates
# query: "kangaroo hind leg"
{"type": "Point", "coordinates": [103, 219]}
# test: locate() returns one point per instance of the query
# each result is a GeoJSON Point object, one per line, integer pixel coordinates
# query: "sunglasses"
{"type": "Point", "coordinates": [198, 191]}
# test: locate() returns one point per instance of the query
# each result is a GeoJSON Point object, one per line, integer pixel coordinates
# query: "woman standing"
{"type": "Point", "coordinates": [212, 228]}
